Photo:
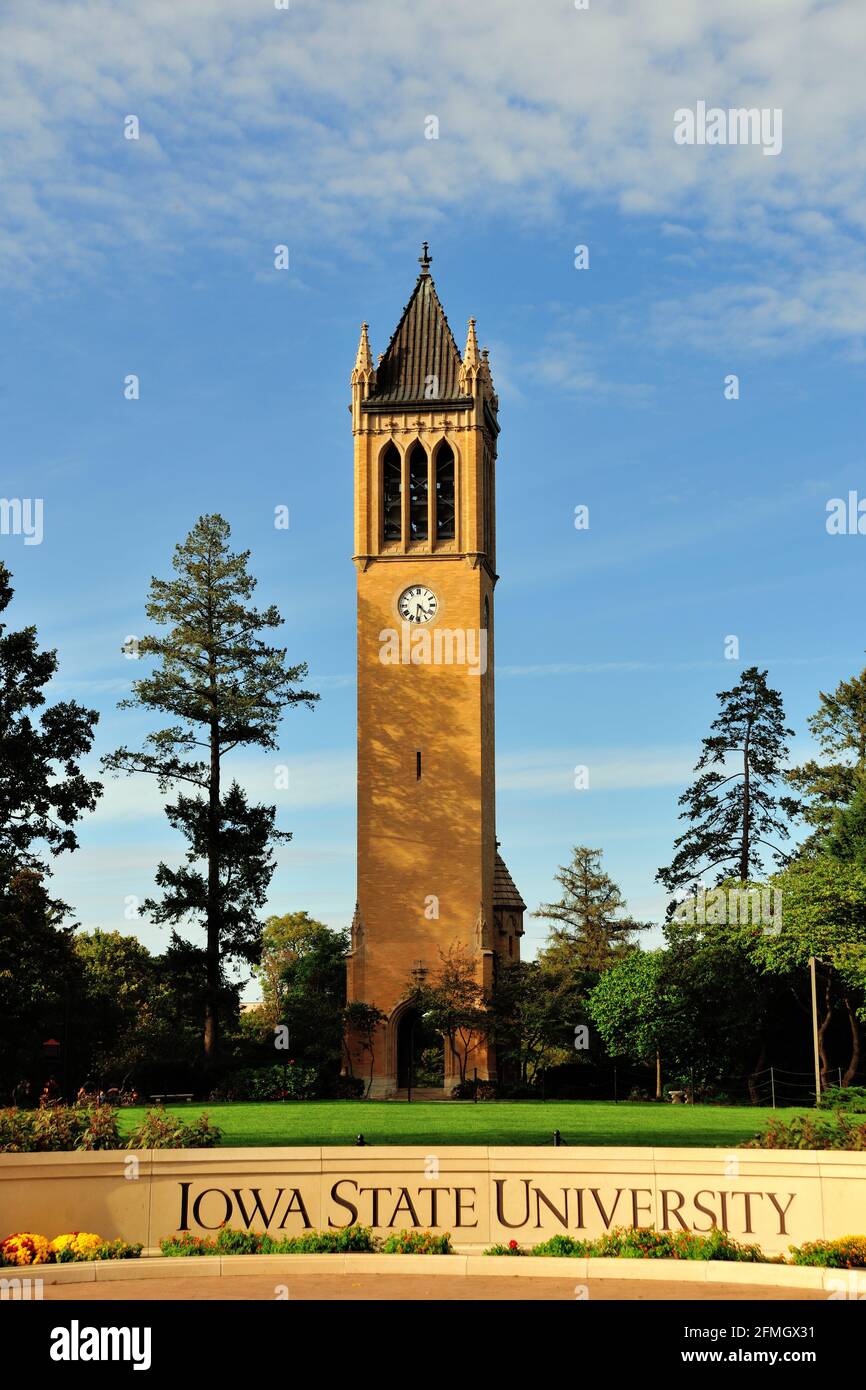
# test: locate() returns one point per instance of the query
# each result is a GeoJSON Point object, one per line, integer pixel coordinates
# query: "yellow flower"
{"type": "Point", "coordinates": [25, 1248]}
{"type": "Point", "coordinates": [83, 1244]}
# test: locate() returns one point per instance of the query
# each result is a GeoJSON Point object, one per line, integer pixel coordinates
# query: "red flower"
{"type": "Point", "coordinates": [512, 1245]}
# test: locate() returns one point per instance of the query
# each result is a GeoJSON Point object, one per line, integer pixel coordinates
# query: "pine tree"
{"type": "Point", "coordinates": [846, 840]}
{"type": "Point", "coordinates": [828, 784]}
{"type": "Point", "coordinates": [731, 813]}
{"type": "Point", "coordinates": [592, 930]}
{"type": "Point", "coordinates": [222, 687]}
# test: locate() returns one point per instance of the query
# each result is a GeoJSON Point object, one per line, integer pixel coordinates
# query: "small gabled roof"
{"type": "Point", "coordinates": [505, 892]}
{"type": "Point", "coordinates": [422, 347]}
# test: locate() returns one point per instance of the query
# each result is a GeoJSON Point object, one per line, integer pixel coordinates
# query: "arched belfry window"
{"type": "Point", "coordinates": [418, 499]}
{"type": "Point", "coordinates": [445, 509]}
{"type": "Point", "coordinates": [392, 494]}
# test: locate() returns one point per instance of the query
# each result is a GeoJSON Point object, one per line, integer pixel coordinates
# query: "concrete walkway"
{"type": "Point", "coordinates": [414, 1288]}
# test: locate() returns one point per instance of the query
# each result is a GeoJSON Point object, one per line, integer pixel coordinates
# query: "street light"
{"type": "Point", "coordinates": [815, 1031]}
{"type": "Point", "coordinates": [419, 972]}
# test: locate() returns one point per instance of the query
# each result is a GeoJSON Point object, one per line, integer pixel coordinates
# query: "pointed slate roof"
{"type": "Point", "coordinates": [505, 892]}
{"type": "Point", "coordinates": [423, 346]}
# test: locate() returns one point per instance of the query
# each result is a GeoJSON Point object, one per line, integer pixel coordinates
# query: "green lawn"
{"type": "Point", "coordinates": [297, 1123]}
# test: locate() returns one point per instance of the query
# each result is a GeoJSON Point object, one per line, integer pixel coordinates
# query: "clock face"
{"type": "Point", "coordinates": [417, 604]}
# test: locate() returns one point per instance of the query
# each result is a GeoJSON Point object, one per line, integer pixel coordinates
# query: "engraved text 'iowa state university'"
{"type": "Point", "coordinates": [520, 1203]}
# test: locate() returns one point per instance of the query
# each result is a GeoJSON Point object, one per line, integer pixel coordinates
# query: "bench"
{"type": "Point", "coordinates": [163, 1096]}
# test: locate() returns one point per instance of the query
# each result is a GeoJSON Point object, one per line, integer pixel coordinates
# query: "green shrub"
{"type": "Point", "coordinates": [467, 1090]}
{"type": "Point", "coordinates": [811, 1132]}
{"type": "Point", "coordinates": [119, 1250]}
{"type": "Point", "coordinates": [348, 1240]}
{"type": "Point", "coordinates": [159, 1130]}
{"type": "Point", "coordinates": [847, 1252]}
{"type": "Point", "coordinates": [84, 1128]}
{"type": "Point", "coordinates": [58, 1128]}
{"type": "Point", "coordinates": [109, 1250]}
{"type": "Point", "coordinates": [851, 1098]}
{"type": "Point", "coordinates": [512, 1248]}
{"type": "Point", "coordinates": [628, 1243]}
{"type": "Point", "coordinates": [276, 1081]}
{"type": "Point", "coordinates": [417, 1243]}
{"type": "Point", "coordinates": [101, 1131]}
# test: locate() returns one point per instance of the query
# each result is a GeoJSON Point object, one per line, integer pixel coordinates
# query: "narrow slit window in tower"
{"type": "Point", "coordinates": [445, 493]}
{"type": "Point", "coordinates": [418, 528]}
{"type": "Point", "coordinates": [392, 494]}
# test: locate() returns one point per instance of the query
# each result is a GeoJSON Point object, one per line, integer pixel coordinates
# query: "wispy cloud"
{"type": "Point", "coordinates": [290, 781]}
{"type": "Point", "coordinates": [254, 121]}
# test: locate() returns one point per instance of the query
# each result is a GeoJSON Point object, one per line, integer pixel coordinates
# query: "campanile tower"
{"type": "Point", "coordinates": [425, 432]}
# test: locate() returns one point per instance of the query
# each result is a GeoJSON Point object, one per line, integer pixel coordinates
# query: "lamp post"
{"type": "Point", "coordinates": [419, 972]}
{"type": "Point", "coordinates": [815, 1031]}
{"type": "Point", "coordinates": [411, 1056]}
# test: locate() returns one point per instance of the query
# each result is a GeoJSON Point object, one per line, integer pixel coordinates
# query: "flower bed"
{"type": "Point", "coordinates": [351, 1240]}
{"type": "Point", "coordinates": [625, 1242]}
{"type": "Point", "coordinates": [28, 1248]}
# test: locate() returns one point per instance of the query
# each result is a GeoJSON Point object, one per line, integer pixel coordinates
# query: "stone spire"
{"type": "Point", "coordinates": [422, 351]}
{"type": "Point", "coordinates": [471, 356]}
{"type": "Point", "coordinates": [364, 357]}
{"type": "Point", "coordinates": [471, 364]}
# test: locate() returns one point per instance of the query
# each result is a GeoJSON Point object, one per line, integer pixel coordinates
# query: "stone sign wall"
{"type": "Point", "coordinates": [774, 1198]}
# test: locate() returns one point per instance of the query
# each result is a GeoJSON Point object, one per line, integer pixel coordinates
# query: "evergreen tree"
{"type": "Point", "coordinates": [846, 840]}
{"type": "Point", "coordinates": [732, 806]}
{"type": "Point", "coordinates": [222, 687]}
{"type": "Point", "coordinates": [592, 930]}
{"type": "Point", "coordinates": [839, 728]}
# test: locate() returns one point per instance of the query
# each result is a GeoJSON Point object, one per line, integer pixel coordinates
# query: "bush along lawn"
{"type": "Point", "coordinates": [85, 1128]}
{"type": "Point", "coordinates": [848, 1252]}
{"type": "Point", "coordinates": [812, 1132]}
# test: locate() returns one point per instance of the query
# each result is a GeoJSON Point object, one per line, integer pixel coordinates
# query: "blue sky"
{"type": "Point", "coordinates": [307, 128]}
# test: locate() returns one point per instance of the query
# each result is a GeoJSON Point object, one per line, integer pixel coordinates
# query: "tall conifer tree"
{"type": "Point", "coordinates": [732, 806]}
{"type": "Point", "coordinates": [221, 687]}
{"type": "Point", "coordinates": [590, 928]}
{"type": "Point", "coordinates": [831, 782]}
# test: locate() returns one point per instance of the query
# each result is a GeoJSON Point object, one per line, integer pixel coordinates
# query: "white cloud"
{"type": "Point", "coordinates": [324, 779]}
{"type": "Point", "coordinates": [552, 771]}
{"type": "Point", "coordinates": [311, 120]}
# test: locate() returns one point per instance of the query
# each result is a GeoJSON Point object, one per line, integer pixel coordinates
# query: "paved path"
{"type": "Point", "coordinates": [413, 1288]}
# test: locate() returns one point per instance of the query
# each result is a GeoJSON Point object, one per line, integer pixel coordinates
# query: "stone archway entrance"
{"type": "Point", "coordinates": [424, 1048]}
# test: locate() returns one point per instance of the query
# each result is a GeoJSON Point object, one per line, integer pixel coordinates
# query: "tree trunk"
{"type": "Point", "coordinates": [756, 1071]}
{"type": "Point", "coordinates": [211, 1016]}
{"type": "Point", "coordinates": [854, 1063]}
{"type": "Point", "coordinates": [658, 1076]}
{"type": "Point", "coordinates": [747, 811]}
{"type": "Point", "coordinates": [823, 1025]}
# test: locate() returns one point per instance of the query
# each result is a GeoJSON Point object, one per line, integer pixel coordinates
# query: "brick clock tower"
{"type": "Point", "coordinates": [425, 428]}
